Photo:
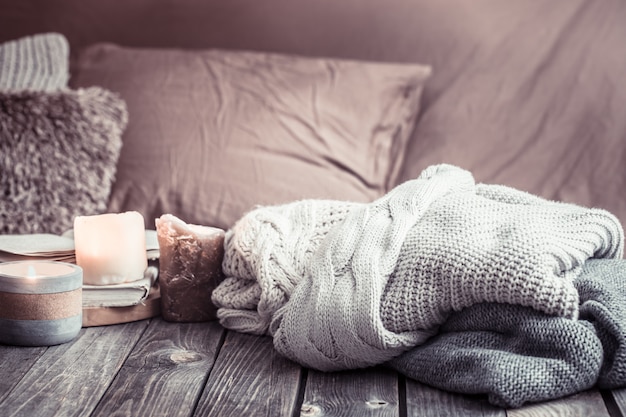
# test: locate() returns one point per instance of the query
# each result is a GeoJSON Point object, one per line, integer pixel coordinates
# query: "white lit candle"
{"type": "Point", "coordinates": [40, 302]}
{"type": "Point", "coordinates": [111, 248]}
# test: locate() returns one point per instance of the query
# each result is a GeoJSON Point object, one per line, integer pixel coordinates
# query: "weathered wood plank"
{"type": "Point", "coordinates": [166, 371]}
{"type": "Point", "coordinates": [619, 398]}
{"type": "Point", "coordinates": [14, 364]}
{"type": "Point", "coordinates": [69, 379]}
{"type": "Point", "coordinates": [588, 404]}
{"type": "Point", "coordinates": [250, 379]}
{"type": "Point", "coordinates": [425, 401]}
{"type": "Point", "coordinates": [365, 392]}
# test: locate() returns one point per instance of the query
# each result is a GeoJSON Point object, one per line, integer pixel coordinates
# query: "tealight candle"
{"type": "Point", "coordinates": [111, 248]}
{"type": "Point", "coordinates": [40, 302]}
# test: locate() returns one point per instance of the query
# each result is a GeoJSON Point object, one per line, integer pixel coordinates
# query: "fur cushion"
{"type": "Point", "coordinates": [58, 156]}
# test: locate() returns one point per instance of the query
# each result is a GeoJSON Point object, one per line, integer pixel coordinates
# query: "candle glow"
{"type": "Point", "coordinates": [31, 273]}
{"type": "Point", "coordinates": [40, 302]}
{"type": "Point", "coordinates": [111, 248]}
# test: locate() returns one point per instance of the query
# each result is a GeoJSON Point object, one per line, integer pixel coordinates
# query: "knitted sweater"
{"type": "Point", "coordinates": [518, 355]}
{"type": "Point", "coordinates": [266, 255]}
{"type": "Point", "coordinates": [378, 279]}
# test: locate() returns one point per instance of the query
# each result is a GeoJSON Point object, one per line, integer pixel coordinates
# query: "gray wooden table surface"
{"type": "Point", "coordinates": [155, 368]}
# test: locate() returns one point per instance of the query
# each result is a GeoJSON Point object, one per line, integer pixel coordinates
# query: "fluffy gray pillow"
{"type": "Point", "coordinates": [39, 62]}
{"type": "Point", "coordinates": [58, 156]}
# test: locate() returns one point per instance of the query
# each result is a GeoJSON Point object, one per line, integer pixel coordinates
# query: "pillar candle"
{"type": "Point", "coordinates": [190, 267]}
{"type": "Point", "coordinates": [111, 248]}
{"type": "Point", "coordinates": [40, 302]}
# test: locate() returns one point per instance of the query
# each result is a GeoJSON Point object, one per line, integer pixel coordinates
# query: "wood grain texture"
{"type": "Point", "coordinates": [69, 379]}
{"type": "Point", "coordinates": [618, 402]}
{"type": "Point", "coordinates": [587, 404]}
{"type": "Point", "coordinates": [155, 368]}
{"type": "Point", "coordinates": [365, 392]}
{"type": "Point", "coordinates": [425, 401]}
{"type": "Point", "coordinates": [250, 379]}
{"type": "Point", "coordinates": [15, 362]}
{"type": "Point", "coordinates": [165, 373]}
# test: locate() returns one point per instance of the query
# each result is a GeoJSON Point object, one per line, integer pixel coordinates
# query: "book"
{"type": "Point", "coordinates": [152, 245]}
{"type": "Point", "coordinates": [48, 246]}
{"type": "Point", "coordinates": [121, 295]}
{"type": "Point", "coordinates": [36, 246]}
{"type": "Point", "coordinates": [104, 316]}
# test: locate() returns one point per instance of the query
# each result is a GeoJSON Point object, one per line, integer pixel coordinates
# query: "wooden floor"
{"type": "Point", "coordinates": [154, 368]}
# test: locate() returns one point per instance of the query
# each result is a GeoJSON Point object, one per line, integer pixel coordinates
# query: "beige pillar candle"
{"type": "Point", "coordinates": [111, 248]}
{"type": "Point", "coordinates": [190, 267]}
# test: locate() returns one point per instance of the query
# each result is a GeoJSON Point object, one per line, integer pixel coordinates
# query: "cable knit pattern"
{"type": "Point", "coordinates": [385, 275]}
{"type": "Point", "coordinates": [333, 319]}
{"type": "Point", "coordinates": [268, 251]}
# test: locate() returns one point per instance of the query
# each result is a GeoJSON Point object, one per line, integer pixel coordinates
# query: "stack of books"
{"type": "Point", "coordinates": [102, 304]}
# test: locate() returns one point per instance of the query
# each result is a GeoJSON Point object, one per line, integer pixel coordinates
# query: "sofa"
{"type": "Point", "coordinates": [523, 94]}
{"type": "Point", "coordinates": [210, 109]}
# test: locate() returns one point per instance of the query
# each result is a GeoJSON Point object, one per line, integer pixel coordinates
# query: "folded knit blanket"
{"type": "Point", "coordinates": [344, 285]}
{"type": "Point", "coordinates": [266, 255]}
{"type": "Point", "coordinates": [518, 355]}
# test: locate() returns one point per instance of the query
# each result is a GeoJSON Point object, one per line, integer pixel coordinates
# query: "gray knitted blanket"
{"type": "Point", "coordinates": [345, 285]}
{"type": "Point", "coordinates": [518, 355]}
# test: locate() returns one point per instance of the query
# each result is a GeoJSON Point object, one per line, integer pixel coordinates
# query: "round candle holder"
{"type": "Point", "coordinates": [40, 302]}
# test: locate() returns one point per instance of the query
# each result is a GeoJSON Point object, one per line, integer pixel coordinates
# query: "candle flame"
{"type": "Point", "coordinates": [31, 272]}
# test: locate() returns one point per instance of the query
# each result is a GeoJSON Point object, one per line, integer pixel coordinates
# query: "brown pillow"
{"type": "Point", "coordinates": [58, 153]}
{"type": "Point", "coordinates": [212, 133]}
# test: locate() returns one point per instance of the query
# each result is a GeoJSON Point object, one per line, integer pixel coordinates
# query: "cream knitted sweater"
{"type": "Point", "coordinates": [345, 285]}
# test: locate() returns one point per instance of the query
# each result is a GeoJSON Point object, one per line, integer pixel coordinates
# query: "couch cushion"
{"type": "Point", "coordinates": [38, 62]}
{"type": "Point", "coordinates": [58, 153]}
{"type": "Point", "coordinates": [213, 133]}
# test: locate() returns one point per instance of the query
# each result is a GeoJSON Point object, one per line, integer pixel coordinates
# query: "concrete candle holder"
{"type": "Point", "coordinates": [40, 302]}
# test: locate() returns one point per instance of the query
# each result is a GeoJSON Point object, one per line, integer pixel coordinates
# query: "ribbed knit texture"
{"type": "Point", "coordinates": [518, 355]}
{"type": "Point", "coordinates": [39, 62]}
{"type": "Point", "coordinates": [385, 277]}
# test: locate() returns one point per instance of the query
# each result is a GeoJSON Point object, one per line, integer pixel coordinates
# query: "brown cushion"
{"type": "Point", "coordinates": [212, 133]}
{"type": "Point", "coordinates": [58, 153]}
